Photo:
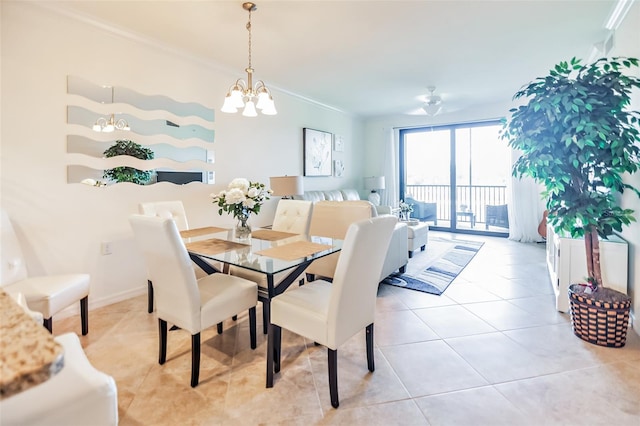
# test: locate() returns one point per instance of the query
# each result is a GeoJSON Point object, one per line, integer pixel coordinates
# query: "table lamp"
{"type": "Point", "coordinates": [286, 186]}
{"type": "Point", "coordinates": [374, 183]}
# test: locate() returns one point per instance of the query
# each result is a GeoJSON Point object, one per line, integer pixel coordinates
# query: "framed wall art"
{"type": "Point", "coordinates": [338, 168]}
{"type": "Point", "coordinates": [338, 143]}
{"type": "Point", "coordinates": [317, 152]}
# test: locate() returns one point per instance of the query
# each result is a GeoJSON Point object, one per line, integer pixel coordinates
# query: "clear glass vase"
{"type": "Point", "coordinates": [243, 229]}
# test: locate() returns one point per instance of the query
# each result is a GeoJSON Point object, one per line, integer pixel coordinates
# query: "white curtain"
{"type": "Point", "coordinates": [526, 207]}
{"type": "Point", "coordinates": [389, 197]}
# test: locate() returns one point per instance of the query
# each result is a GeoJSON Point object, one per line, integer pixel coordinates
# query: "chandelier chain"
{"type": "Point", "coordinates": [249, 29]}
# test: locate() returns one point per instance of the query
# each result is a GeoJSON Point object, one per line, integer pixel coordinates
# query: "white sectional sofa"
{"type": "Point", "coordinates": [330, 195]}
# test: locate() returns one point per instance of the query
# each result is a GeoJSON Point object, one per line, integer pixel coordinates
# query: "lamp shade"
{"type": "Point", "coordinates": [374, 183]}
{"type": "Point", "coordinates": [284, 186]}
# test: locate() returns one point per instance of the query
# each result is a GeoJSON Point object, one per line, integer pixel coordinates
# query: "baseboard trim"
{"type": "Point", "coordinates": [101, 302]}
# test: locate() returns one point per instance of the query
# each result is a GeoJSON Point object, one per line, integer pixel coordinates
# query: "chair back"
{"type": "Point", "coordinates": [332, 218]}
{"type": "Point", "coordinates": [14, 267]}
{"type": "Point", "coordinates": [355, 283]}
{"type": "Point", "coordinates": [175, 287]}
{"type": "Point", "coordinates": [293, 216]}
{"type": "Point", "coordinates": [166, 209]}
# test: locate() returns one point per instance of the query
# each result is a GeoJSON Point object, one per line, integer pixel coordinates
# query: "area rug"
{"type": "Point", "coordinates": [434, 269]}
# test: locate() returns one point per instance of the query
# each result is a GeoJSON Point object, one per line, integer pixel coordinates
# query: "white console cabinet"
{"type": "Point", "coordinates": [567, 264]}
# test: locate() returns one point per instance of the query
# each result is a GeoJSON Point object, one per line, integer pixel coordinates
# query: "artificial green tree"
{"type": "Point", "coordinates": [578, 138]}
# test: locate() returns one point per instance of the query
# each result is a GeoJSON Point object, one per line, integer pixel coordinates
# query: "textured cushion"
{"type": "Point", "coordinates": [292, 216]}
{"type": "Point", "coordinates": [166, 210]}
{"type": "Point", "coordinates": [78, 395]}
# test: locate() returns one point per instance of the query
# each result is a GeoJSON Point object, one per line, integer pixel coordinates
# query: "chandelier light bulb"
{"type": "Point", "coordinates": [249, 110]}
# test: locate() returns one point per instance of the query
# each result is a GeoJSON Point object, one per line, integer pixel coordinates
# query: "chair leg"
{"type": "Point", "coordinates": [162, 334]}
{"type": "Point", "coordinates": [270, 356]}
{"type": "Point", "coordinates": [266, 307]}
{"type": "Point", "coordinates": [219, 328]}
{"type": "Point", "coordinates": [370, 360]}
{"type": "Point", "coordinates": [84, 314]}
{"type": "Point", "coordinates": [48, 324]}
{"type": "Point", "coordinates": [265, 323]}
{"type": "Point", "coordinates": [277, 348]}
{"type": "Point", "coordinates": [195, 359]}
{"type": "Point", "coordinates": [149, 296]}
{"type": "Point", "coordinates": [333, 376]}
{"type": "Point", "coordinates": [252, 326]}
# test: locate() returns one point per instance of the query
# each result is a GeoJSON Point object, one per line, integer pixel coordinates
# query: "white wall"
{"type": "Point", "coordinates": [627, 43]}
{"type": "Point", "coordinates": [62, 225]}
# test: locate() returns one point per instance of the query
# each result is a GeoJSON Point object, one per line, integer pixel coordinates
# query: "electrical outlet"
{"type": "Point", "coordinates": [105, 248]}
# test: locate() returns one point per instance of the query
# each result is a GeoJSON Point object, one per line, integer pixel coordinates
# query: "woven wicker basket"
{"type": "Point", "coordinates": [598, 322]}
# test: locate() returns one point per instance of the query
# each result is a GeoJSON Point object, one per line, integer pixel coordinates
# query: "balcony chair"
{"type": "Point", "coordinates": [331, 313]}
{"type": "Point", "coordinates": [189, 303]}
{"type": "Point", "coordinates": [497, 216]}
{"type": "Point", "coordinates": [424, 212]}
{"type": "Point", "coordinates": [48, 294]}
{"type": "Point", "coordinates": [291, 216]}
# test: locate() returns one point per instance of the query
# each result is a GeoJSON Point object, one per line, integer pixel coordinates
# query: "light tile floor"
{"type": "Point", "coordinates": [491, 350]}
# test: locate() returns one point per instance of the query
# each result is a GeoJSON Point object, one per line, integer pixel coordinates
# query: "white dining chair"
{"type": "Point", "coordinates": [291, 216]}
{"type": "Point", "coordinates": [189, 303]}
{"type": "Point", "coordinates": [163, 209]}
{"type": "Point", "coordinates": [48, 294]}
{"type": "Point", "coordinates": [331, 313]}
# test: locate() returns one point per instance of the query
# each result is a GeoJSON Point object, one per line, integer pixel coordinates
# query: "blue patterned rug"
{"type": "Point", "coordinates": [434, 269]}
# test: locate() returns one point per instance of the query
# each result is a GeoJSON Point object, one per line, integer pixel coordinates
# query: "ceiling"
{"type": "Point", "coordinates": [371, 58]}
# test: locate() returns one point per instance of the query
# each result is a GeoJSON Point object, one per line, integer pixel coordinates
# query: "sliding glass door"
{"type": "Point", "coordinates": [460, 173]}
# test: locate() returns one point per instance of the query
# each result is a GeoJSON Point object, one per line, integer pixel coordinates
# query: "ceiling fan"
{"type": "Point", "coordinates": [433, 103]}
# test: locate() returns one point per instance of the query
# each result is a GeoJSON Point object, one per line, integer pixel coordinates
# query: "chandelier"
{"type": "Point", "coordinates": [433, 103]}
{"type": "Point", "coordinates": [109, 125]}
{"type": "Point", "coordinates": [243, 94]}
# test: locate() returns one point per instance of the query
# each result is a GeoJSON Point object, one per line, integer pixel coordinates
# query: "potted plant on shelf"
{"type": "Point", "coordinates": [128, 174]}
{"type": "Point", "coordinates": [578, 138]}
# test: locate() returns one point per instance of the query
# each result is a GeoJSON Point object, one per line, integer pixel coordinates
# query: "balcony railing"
{"type": "Point", "coordinates": [474, 197]}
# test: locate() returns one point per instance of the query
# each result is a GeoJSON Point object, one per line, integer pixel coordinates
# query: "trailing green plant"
{"type": "Point", "coordinates": [128, 174]}
{"type": "Point", "coordinates": [578, 138]}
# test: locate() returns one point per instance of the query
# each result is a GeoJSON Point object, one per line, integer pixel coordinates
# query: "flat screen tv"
{"type": "Point", "coordinates": [179, 178]}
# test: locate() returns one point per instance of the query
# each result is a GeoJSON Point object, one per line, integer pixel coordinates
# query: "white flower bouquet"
{"type": "Point", "coordinates": [241, 198]}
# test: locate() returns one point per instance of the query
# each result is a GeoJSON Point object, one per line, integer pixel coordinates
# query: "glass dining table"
{"type": "Point", "coordinates": [265, 251]}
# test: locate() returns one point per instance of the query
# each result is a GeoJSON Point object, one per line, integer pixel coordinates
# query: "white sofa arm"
{"type": "Point", "coordinates": [78, 395]}
{"type": "Point", "coordinates": [397, 255]}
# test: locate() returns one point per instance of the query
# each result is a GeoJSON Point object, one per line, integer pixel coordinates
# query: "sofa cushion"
{"type": "Point", "coordinates": [313, 196]}
{"type": "Point", "coordinates": [333, 195]}
{"type": "Point", "coordinates": [350, 194]}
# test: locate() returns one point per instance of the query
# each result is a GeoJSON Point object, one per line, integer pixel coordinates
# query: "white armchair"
{"type": "Point", "coordinates": [78, 395]}
{"type": "Point", "coordinates": [48, 294]}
